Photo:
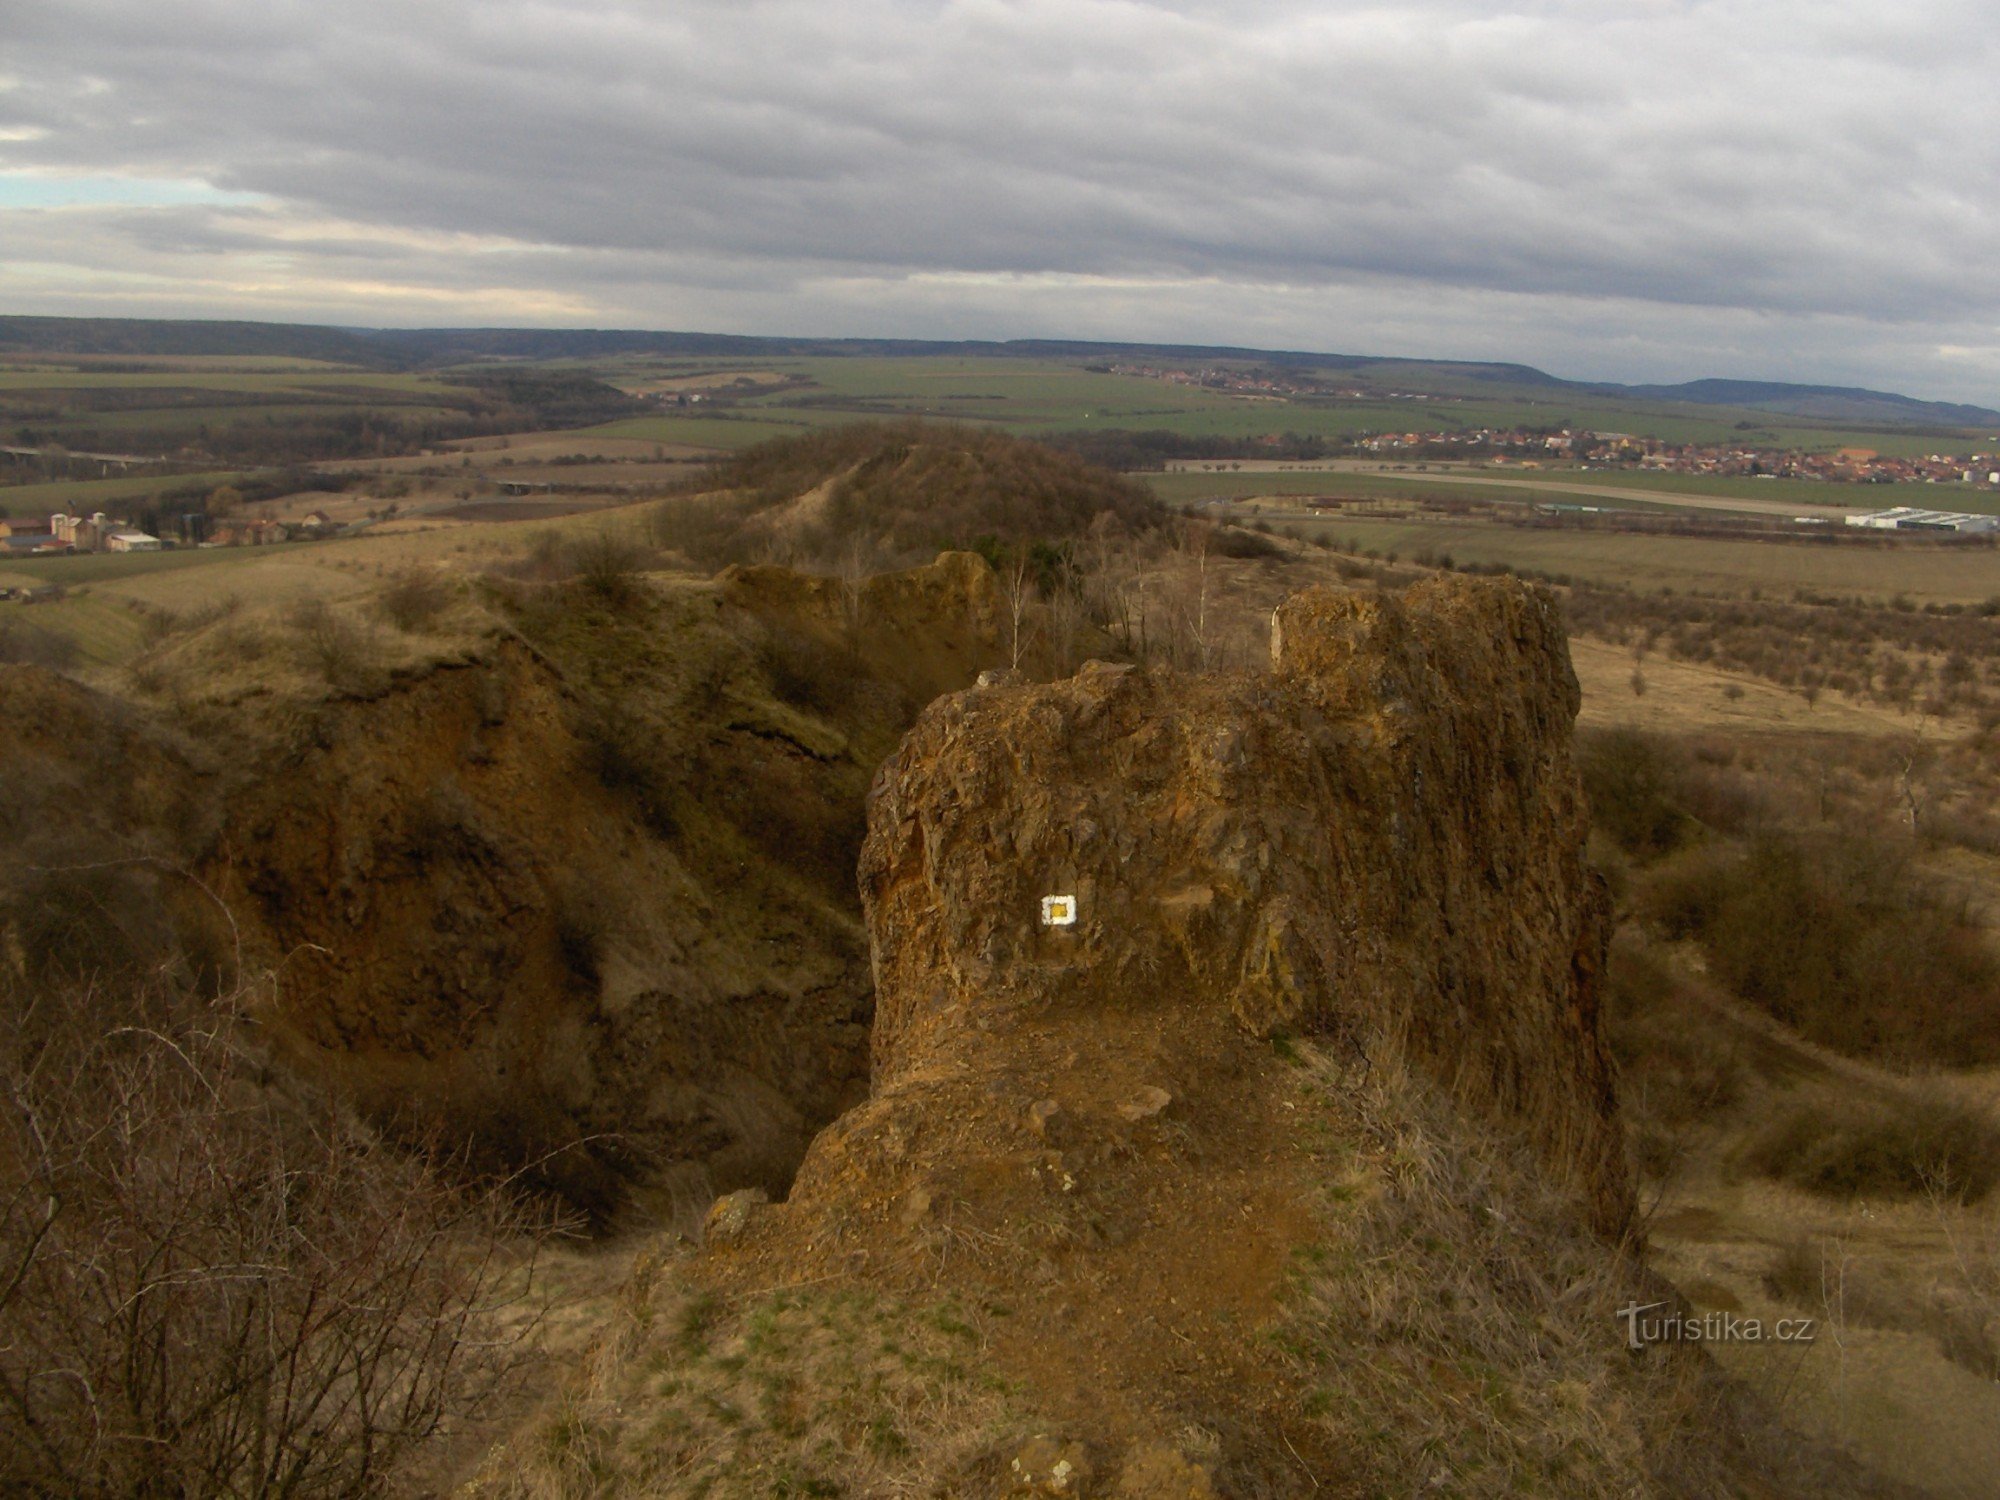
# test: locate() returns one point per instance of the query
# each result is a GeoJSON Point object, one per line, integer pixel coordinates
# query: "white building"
{"type": "Point", "coordinates": [1908, 518]}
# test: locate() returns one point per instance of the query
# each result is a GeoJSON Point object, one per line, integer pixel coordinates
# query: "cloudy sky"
{"type": "Point", "coordinates": [1616, 189]}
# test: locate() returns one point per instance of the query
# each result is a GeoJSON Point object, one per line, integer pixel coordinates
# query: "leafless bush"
{"type": "Point", "coordinates": [806, 672]}
{"type": "Point", "coordinates": [334, 646]}
{"type": "Point", "coordinates": [628, 755]}
{"type": "Point", "coordinates": [706, 529]}
{"type": "Point", "coordinates": [414, 599]}
{"type": "Point", "coordinates": [35, 646]}
{"type": "Point", "coordinates": [1633, 783]}
{"type": "Point", "coordinates": [1841, 938]}
{"type": "Point", "coordinates": [206, 1288]}
{"type": "Point", "coordinates": [608, 565]}
{"type": "Point", "coordinates": [1908, 1146]}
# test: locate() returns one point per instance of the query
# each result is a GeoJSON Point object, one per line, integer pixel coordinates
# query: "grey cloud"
{"type": "Point", "coordinates": [1828, 165]}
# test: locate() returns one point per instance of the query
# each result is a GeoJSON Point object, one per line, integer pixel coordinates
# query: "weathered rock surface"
{"type": "Point", "coordinates": [1101, 1130]}
{"type": "Point", "coordinates": [586, 902]}
{"type": "Point", "coordinates": [575, 892]}
{"type": "Point", "coordinates": [1380, 840]}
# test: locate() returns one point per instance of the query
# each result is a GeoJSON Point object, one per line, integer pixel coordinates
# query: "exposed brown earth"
{"type": "Point", "coordinates": [567, 878]}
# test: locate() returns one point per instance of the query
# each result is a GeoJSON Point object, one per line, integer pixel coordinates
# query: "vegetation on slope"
{"type": "Point", "coordinates": [896, 491]}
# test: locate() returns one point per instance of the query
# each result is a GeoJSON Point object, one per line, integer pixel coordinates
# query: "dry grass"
{"type": "Point", "coordinates": [1456, 1332]}
{"type": "Point", "coordinates": [801, 1392]}
{"type": "Point", "coordinates": [1684, 698]}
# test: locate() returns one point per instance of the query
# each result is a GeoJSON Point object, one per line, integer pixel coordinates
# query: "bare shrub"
{"type": "Point", "coordinates": [706, 529]}
{"type": "Point", "coordinates": [334, 646]}
{"type": "Point", "coordinates": [28, 645]}
{"type": "Point", "coordinates": [1633, 783]}
{"type": "Point", "coordinates": [541, 562]}
{"type": "Point", "coordinates": [628, 756]}
{"type": "Point", "coordinates": [1678, 1066]}
{"type": "Point", "coordinates": [1836, 936]}
{"type": "Point", "coordinates": [1907, 1146]}
{"type": "Point", "coordinates": [211, 1289]}
{"type": "Point", "coordinates": [806, 672]}
{"type": "Point", "coordinates": [414, 599]}
{"type": "Point", "coordinates": [608, 566]}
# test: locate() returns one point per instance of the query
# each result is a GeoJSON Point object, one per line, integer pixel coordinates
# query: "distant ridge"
{"type": "Point", "coordinates": [431, 348]}
{"type": "Point", "coordinates": [1841, 403]}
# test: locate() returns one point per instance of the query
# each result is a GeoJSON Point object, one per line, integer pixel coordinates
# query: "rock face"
{"type": "Point", "coordinates": [1155, 955]}
{"type": "Point", "coordinates": [583, 898]}
{"type": "Point", "coordinates": [1380, 841]}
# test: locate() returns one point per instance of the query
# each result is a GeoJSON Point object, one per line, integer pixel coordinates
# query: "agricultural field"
{"type": "Point", "coordinates": [1226, 480]}
{"type": "Point", "coordinates": [1184, 487]}
{"type": "Point", "coordinates": [81, 496]}
{"type": "Point", "coordinates": [278, 411]}
{"type": "Point", "coordinates": [1044, 396]}
{"type": "Point", "coordinates": [1922, 572]}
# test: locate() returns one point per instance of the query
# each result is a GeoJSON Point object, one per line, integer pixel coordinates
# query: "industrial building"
{"type": "Point", "coordinates": [1908, 518]}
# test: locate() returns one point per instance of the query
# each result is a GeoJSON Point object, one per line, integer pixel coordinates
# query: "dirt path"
{"type": "Point", "coordinates": [1877, 1379]}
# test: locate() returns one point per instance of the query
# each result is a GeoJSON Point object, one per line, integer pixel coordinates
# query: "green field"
{"type": "Point", "coordinates": [344, 384]}
{"type": "Point", "coordinates": [714, 432]}
{"type": "Point", "coordinates": [95, 567]}
{"type": "Point", "coordinates": [1925, 572]}
{"type": "Point", "coordinates": [1562, 486]}
{"type": "Point", "coordinates": [75, 494]}
{"type": "Point", "coordinates": [1183, 488]}
{"type": "Point", "coordinates": [1040, 396]}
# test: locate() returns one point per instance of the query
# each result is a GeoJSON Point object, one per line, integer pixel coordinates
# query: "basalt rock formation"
{"type": "Point", "coordinates": [1109, 915]}
{"type": "Point", "coordinates": [1381, 841]}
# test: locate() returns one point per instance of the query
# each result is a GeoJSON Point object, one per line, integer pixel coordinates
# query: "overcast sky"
{"type": "Point", "coordinates": [1616, 189]}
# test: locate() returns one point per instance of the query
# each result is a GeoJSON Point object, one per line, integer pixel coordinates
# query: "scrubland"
{"type": "Point", "coordinates": [1792, 797]}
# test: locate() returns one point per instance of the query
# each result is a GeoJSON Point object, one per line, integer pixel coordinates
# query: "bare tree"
{"type": "Point", "coordinates": [207, 1288]}
{"type": "Point", "coordinates": [1068, 620]}
{"type": "Point", "coordinates": [1911, 784]}
{"type": "Point", "coordinates": [1193, 588]}
{"type": "Point", "coordinates": [1109, 579]}
{"type": "Point", "coordinates": [854, 566]}
{"type": "Point", "coordinates": [1019, 582]}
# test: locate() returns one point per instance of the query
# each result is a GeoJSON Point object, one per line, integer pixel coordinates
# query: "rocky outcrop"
{"type": "Point", "coordinates": [1380, 840]}
{"type": "Point", "coordinates": [580, 898]}
{"type": "Point", "coordinates": [1150, 952]}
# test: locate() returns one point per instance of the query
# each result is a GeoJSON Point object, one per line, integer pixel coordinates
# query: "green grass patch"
{"type": "Point", "coordinates": [728, 433]}
{"type": "Point", "coordinates": [79, 496]}
{"type": "Point", "coordinates": [104, 567]}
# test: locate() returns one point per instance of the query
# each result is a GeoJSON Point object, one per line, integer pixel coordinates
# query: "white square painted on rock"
{"type": "Point", "coordinates": [1059, 911]}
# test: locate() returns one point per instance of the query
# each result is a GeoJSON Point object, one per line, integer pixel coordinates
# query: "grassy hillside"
{"type": "Point", "coordinates": [896, 490]}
